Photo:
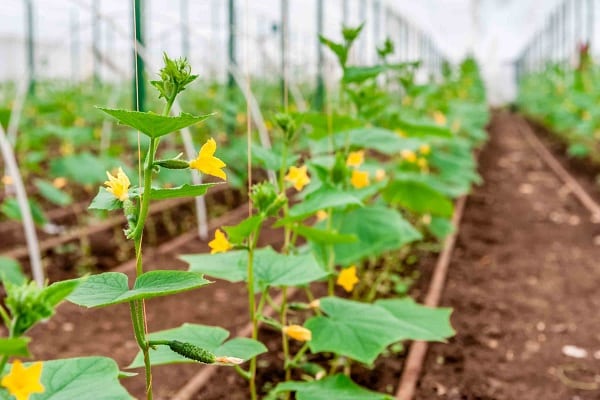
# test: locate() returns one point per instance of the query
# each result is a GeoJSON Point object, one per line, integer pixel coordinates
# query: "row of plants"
{"type": "Point", "coordinates": [564, 98]}
{"type": "Point", "coordinates": [360, 187]}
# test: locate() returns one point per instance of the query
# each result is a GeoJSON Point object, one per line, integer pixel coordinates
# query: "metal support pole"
{"type": "Point", "coordinates": [231, 43]}
{"type": "Point", "coordinates": [30, 46]}
{"type": "Point", "coordinates": [95, 43]}
{"type": "Point", "coordinates": [345, 12]}
{"type": "Point", "coordinates": [185, 27]}
{"type": "Point", "coordinates": [74, 44]}
{"type": "Point", "coordinates": [590, 22]}
{"type": "Point", "coordinates": [283, 45]}
{"type": "Point", "coordinates": [320, 93]}
{"type": "Point", "coordinates": [139, 85]}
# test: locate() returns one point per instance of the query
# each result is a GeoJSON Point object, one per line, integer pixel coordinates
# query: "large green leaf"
{"type": "Point", "coordinates": [10, 208]}
{"type": "Point", "coordinates": [322, 199]}
{"type": "Point", "coordinates": [14, 346]}
{"type": "Point", "coordinates": [332, 387]}
{"type": "Point", "coordinates": [53, 194]}
{"type": "Point", "coordinates": [419, 129]}
{"type": "Point", "coordinates": [383, 140]}
{"type": "Point", "coordinates": [10, 271]}
{"type": "Point", "coordinates": [359, 74]}
{"type": "Point", "coordinates": [378, 230]}
{"type": "Point", "coordinates": [112, 287]}
{"type": "Point", "coordinates": [362, 331]}
{"type": "Point", "coordinates": [418, 197]}
{"type": "Point", "coordinates": [180, 191]}
{"type": "Point", "coordinates": [419, 322]}
{"type": "Point", "coordinates": [152, 124]}
{"type": "Point", "coordinates": [105, 201]}
{"type": "Point", "coordinates": [270, 268]}
{"type": "Point", "coordinates": [81, 378]}
{"type": "Point", "coordinates": [211, 338]}
{"type": "Point", "coordinates": [322, 235]}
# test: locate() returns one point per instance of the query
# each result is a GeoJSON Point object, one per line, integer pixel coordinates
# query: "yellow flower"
{"type": "Point", "coordinates": [23, 381]}
{"type": "Point", "coordinates": [118, 185]}
{"type": "Point", "coordinates": [59, 182]}
{"type": "Point", "coordinates": [380, 175]}
{"type": "Point", "coordinates": [219, 244]}
{"type": "Point", "coordinates": [439, 118]}
{"type": "Point", "coordinates": [407, 101]}
{"type": "Point", "coordinates": [7, 180]}
{"type": "Point", "coordinates": [298, 177]}
{"type": "Point", "coordinates": [422, 163]}
{"type": "Point", "coordinates": [359, 179]}
{"type": "Point", "coordinates": [322, 215]}
{"type": "Point", "coordinates": [355, 158]}
{"type": "Point", "coordinates": [297, 332]}
{"type": "Point", "coordinates": [66, 148]}
{"type": "Point", "coordinates": [347, 278]}
{"type": "Point", "coordinates": [207, 163]}
{"type": "Point", "coordinates": [409, 156]}
{"type": "Point", "coordinates": [424, 149]}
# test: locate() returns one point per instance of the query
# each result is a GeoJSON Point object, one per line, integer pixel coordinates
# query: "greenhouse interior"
{"type": "Point", "coordinates": [299, 199]}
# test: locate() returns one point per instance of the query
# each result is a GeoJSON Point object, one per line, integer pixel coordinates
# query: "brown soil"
{"type": "Point", "coordinates": [523, 282]}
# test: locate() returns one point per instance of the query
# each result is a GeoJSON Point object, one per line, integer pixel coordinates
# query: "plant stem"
{"type": "Point", "coordinates": [284, 338]}
{"type": "Point", "coordinates": [148, 168]}
{"type": "Point", "coordinates": [3, 363]}
{"type": "Point", "coordinates": [252, 307]}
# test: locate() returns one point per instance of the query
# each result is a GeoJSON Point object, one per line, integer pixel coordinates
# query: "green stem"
{"type": "Point", "coordinates": [284, 339]}
{"type": "Point", "coordinates": [299, 354]}
{"type": "Point", "coordinates": [4, 315]}
{"type": "Point", "coordinates": [159, 342]}
{"type": "Point", "coordinates": [148, 169]}
{"type": "Point", "coordinates": [252, 307]}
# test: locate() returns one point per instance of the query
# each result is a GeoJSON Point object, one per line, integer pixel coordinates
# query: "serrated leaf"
{"type": "Point", "coordinates": [322, 199]}
{"type": "Point", "coordinates": [105, 201]}
{"type": "Point", "coordinates": [112, 287]}
{"type": "Point", "coordinates": [15, 346]}
{"type": "Point", "coordinates": [362, 331]}
{"type": "Point", "coordinates": [181, 191]}
{"type": "Point", "coordinates": [52, 194]}
{"type": "Point", "coordinates": [332, 387]}
{"type": "Point", "coordinates": [238, 233]}
{"type": "Point", "coordinates": [211, 338]}
{"type": "Point", "coordinates": [152, 124]}
{"type": "Point", "coordinates": [10, 271]}
{"type": "Point", "coordinates": [418, 197]}
{"type": "Point", "coordinates": [378, 230]}
{"type": "Point", "coordinates": [322, 235]}
{"type": "Point", "coordinates": [81, 378]}
{"type": "Point", "coordinates": [270, 268]}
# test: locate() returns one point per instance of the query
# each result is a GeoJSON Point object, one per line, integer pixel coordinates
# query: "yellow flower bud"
{"type": "Point", "coordinates": [297, 332]}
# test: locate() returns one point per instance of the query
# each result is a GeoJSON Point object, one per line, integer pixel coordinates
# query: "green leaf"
{"type": "Point", "coordinates": [322, 199]}
{"type": "Point", "coordinates": [105, 201]}
{"type": "Point", "coordinates": [15, 346]}
{"type": "Point", "coordinates": [419, 322]}
{"type": "Point", "coordinates": [84, 168]}
{"type": "Point", "coordinates": [440, 227]}
{"type": "Point", "coordinates": [10, 208]}
{"type": "Point", "coordinates": [10, 271]}
{"type": "Point", "coordinates": [52, 194]}
{"type": "Point", "coordinates": [81, 378]}
{"type": "Point", "coordinates": [322, 235]}
{"type": "Point", "coordinates": [378, 230]}
{"type": "Point", "coordinates": [362, 331]}
{"type": "Point", "coordinates": [181, 191]}
{"type": "Point", "coordinates": [112, 287]}
{"type": "Point", "coordinates": [418, 197]}
{"type": "Point", "coordinates": [211, 338]}
{"type": "Point", "coordinates": [417, 129]}
{"type": "Point", "coordinates": [152, 124]}
{"type": "Point", "coordinates": [58, 291]}
{"type": "Point", "coordinates": [384, 141]}
{"type": "Point", "coordinates": [357, 330]}
{"type": "Point", "coordinates": [270, 159]}
{"type": "Point", "coordinates": [332, 387]}
{"type": "Point", "coordinates": [238, 233]}
{"type": "Point", "coordinates": [359, 74]}
{"type": "Point", "coordinates": [270, 268]}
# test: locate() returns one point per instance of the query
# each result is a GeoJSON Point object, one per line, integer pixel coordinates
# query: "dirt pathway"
{"type": "Point", "coordinates": [524, 282]}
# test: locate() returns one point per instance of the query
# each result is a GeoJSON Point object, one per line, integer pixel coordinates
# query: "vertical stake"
{"type": "Point", "coordinates": [283, 45]}
{"type": "Point", "coordinates": [139, 94]}
{"type": "Point", "coordinates": [185, 28]}
{"type": "Point", "coordinates": [30, 46]}
{"type": "Point", "coordinates": [95, 43]}
{"type": "Point", "coordinates": [320, 94]}
{"type": "Point", "coordinates": [232, 61]}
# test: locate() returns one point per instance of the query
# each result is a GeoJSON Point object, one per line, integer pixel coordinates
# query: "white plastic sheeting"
{"type": "Point", "coordinates": [495, 31]}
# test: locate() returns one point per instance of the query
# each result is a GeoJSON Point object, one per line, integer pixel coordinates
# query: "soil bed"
{"type": "Point", "coordinates": [523, 282]}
